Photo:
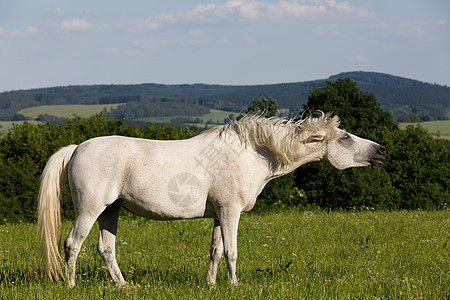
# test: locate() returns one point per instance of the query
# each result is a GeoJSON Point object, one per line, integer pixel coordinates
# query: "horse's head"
{"type": "Point", "coordinates": [346, 150]}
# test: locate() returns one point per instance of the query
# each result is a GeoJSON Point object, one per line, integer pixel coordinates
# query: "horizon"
{"type": "Point", "coordinates": [218, 84]}
{"type": "Point", "coordinates": [225, 42]}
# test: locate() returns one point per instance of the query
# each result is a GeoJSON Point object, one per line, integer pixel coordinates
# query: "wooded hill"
{"type": "Point", "coordinates": [406, 99]}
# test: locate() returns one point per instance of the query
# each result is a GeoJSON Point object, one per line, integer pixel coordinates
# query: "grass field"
{"type": "Point", "coordinates": [435, 127]}
{"type": "Point", "coordinates": [214, 115]}
{"type": "Point", "coordinates": [86, 111]}
{"type": "Point", "coordinates": [291, 255]}
{"type": "Point", "coordinates": [66, 111]}
{"type": "Point", "coordinates": [7, 125]}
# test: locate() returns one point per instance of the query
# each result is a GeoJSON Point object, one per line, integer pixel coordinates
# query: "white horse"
{"type": "Point", "coordinates": [217, 174]}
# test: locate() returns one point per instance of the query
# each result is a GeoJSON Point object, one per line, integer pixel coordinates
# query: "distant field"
{"type": "Point", "coordinates": [435, 127]}
{"type": "Point", "coordinates": [214, 115]}
{"type": "Point", "coordinates": [85, 111]}
{"type": "Point", "coordinates": [7, 125]}
{"type": "Point", "coordinates": [66, 111]}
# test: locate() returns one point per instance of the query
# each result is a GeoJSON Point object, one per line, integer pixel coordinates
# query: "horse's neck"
{"type": "Point", "coordinates": [262, 159]}
{"type": "Point", "coordinates": [311, 152]}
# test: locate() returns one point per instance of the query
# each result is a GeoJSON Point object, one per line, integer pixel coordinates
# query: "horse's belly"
{"type": "Point", "coordinates": [168, 208]}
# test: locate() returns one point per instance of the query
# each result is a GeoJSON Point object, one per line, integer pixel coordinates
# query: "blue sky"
{"type": "Point", "coordinates": [55, 43]}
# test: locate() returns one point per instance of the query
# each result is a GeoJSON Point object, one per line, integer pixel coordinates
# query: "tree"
{"type": "Point", "coordinates": [360, 112]}
{"type": "Point", "coordinates": [415, 174]}
{"type": "Point", "coordinates": [419, 168]}
{"type": "Point", "coordinates": [266, 107]}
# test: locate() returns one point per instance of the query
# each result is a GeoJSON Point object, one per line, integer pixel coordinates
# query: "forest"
{"type": "Point", "coordinates": [407, 100]}
{"type": "Point", "coordinates": [416, 174]}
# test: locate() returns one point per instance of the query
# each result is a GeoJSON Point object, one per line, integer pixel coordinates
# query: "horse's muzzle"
{"type": "Point", "coordinates": [378, 158]}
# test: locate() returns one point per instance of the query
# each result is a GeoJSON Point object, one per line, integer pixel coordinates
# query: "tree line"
{"type": "Point", "coordinates": [24, 151]}
{"type": "Point", "coordinates": [157, 106]}
{"type": "Point", "coordinates": [405, 99]}
{"type": "Point", "coordinates": [416, 173]}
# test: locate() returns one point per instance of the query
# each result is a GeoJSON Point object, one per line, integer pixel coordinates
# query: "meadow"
{"type": "Point", "coordinates": [5, 126]}
{"type": "Point", "coordinates": [441, 128]}
{"type": "Point", "coordinates": [214, 115]}
{"type": "Point", "coordinates": [61, 111]}
{"type": "Point", "coordinates": [85, 111]}
{"type": "Point", "coordinates": [67, 111]}
{"type": "Point", "coordinates": [291, 255]}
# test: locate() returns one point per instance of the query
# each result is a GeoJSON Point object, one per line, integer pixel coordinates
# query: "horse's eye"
{"type": "Point", "coordinates": [346, 136]}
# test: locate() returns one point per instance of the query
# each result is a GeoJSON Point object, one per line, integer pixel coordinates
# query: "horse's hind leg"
{"type": "Point", "coordinates": [107, 224]}
{"type": "Point", "coordinates": [72, 245]}
{"type": "Point", "coordinates": [215, 253]}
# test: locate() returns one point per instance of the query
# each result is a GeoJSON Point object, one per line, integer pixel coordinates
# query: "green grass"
{"type": "Point", "coordinates": [435, 127]}
{"type": "Point", "coordinates": [66, 111]}
{"type": "Point", "coordinates": [291, 255]}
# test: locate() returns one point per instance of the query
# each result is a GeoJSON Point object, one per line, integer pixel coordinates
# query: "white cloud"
{"type": "Point", "coordinates": [238, 11]}
{"type": "Point", "coordinates": [78, 25]}
{"type": "Point", "coordinates": [405, 30]}
{"type": "Point", "coordinates": [345, 7]}
{"type": "Point", "coordinates": [31, 29]}
{"type": "Point", "coordinates": [441, 21]}
{"type": "Point", "coordinates": [19, 33]}
{"type": "Point", "coordinates": [157, 21]}
{"type": "Point", "coordinates": [75, 25]}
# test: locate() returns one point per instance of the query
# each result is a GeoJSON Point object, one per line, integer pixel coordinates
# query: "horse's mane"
{"type": "Point", "coordinates": [282, 137]}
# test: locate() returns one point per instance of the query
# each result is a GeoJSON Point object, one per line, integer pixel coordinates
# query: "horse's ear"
{"type": "Point", "coordinates": [313, 138]}
{"type": "Point", "coordinates": [334, 122]}
{"type": "Point", "coordinates": [311, 135]}
{"type": "Point", "coordinates": [316, 137]}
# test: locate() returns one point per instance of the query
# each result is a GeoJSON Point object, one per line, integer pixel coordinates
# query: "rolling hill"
{"type": "Point", "coordinates": [405, 99]}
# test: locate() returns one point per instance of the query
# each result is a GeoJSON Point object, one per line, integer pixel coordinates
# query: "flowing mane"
{"type": "Point", "coordinates": [282, 137]}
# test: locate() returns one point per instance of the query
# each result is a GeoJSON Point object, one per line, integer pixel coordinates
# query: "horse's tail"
{"type": "Point", "coordinates": [49, 211]}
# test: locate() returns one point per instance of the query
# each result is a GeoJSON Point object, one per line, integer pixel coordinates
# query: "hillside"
{"type": "Point", "coordinates": [405, 99]}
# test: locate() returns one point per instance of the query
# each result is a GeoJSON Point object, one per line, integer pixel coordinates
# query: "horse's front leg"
{"type": "Point", "coordinates": [229, 219]}
{"type": "Point", "coordinates": [215, 251]}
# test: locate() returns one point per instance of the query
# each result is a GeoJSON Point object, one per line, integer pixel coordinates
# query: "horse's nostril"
{"type": "Point", "coordinates": [382, 150]}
